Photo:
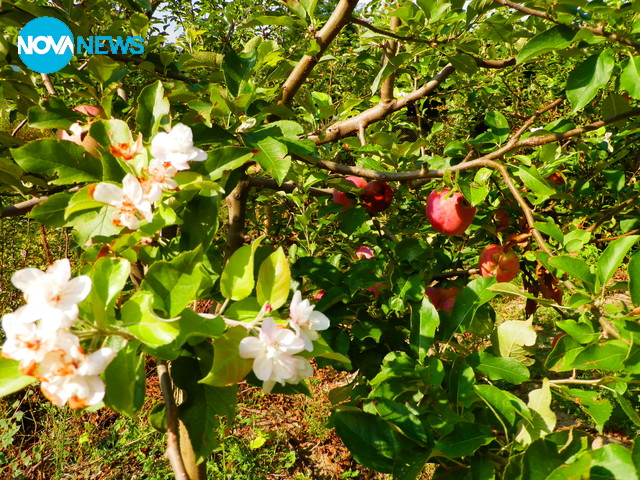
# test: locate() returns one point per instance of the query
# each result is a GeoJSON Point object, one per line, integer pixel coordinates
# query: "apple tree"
{"type": "Point", "coordinates": [365, 185]}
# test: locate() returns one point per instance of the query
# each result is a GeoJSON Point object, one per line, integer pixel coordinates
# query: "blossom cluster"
{"type": "Point", "coordinates": [275, 347]}
{"type": "Point", "coordinates": [171, 152]}
{"type": "Point", "coordinates": [38, 336]}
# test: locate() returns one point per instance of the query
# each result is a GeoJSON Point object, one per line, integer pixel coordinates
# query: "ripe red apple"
{"type": "Point", "coordinates": [495, 261]}
{"type": "Point", "coordinates": [342, 198]}
{"type": "Point", "coordinates": [377, 196]}
{"type": "Point", "coordinates": [443, 298]}
{"type": "Point", "coordinates": [364, 252]}
{"type": "Point", "coordinates": [449, 214]}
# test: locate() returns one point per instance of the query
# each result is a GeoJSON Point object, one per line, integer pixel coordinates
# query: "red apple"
{"type": "Point", "coordinates": [342, 198]}
{"type": "Point", "coordinates": [443, 298]}
{"type": "Point", "coordinates": [377, 196]}
{"type": "Point", "coordinates": [495, 261]}
{"type": "Point", "coordinates": [364, 252]}
{"type": "Point", "coordinates": [375, 289]}
{"type": "Point", "coordinates": [449, 214]}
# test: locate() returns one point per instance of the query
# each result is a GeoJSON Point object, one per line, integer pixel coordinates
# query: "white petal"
{"type": "Point", "coordinates": [109, 194]}
{"type": "Point", "coordinates": [96, 362]}
{"type": "Point", "coordinates": [263, 367]}
{"type": "Point", "coordinates": [26, 278]}
{"type": "Point", "coordinates": [251, 347]}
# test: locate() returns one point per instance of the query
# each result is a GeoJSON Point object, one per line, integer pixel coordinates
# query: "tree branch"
{"type": "Point", "coordinates": [390, 51]}
{"type": "Point", "coordinates": [599, 31]}
{"type": "Point", "coordinates": [374, 114]}
{"type": "Point", "coordinates": [173, 435]}
{"type": "Point", "coordinates": [386, 33]}
{"type": "Point", "coordinates": [289, 187]}
{"type": "Point", "coordinates": [237, 203]}
{"type": "Point", "coordinates": [338, 20]}
{"type": "Point", "coordinates": [46, 79]}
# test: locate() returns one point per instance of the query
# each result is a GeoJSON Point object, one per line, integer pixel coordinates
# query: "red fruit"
{"type": "Point", "coordinates": [451, 214]}
{"type": "Point", "coordinates": [319, 295]}
{"type": "Point", "coordinates": [443, 298]}
{"type": "Point", "coordinates": [375, 289]}
{"type": "Point", "coordinates": [377, 196]}
{"type": "Point", "coordinates": [365, 252]}
{"type": "Point", "coordinates": [508, 267]}
{"type": "Point", "coordinates": [495, 261]}
{"type": "Point", "coordinates": [342, 198]}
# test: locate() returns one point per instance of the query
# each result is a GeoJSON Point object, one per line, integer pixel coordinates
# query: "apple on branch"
{"type": "Point", "coordinates": [449, 213]}
{"type": "Point", "coordinates": [495, 260]}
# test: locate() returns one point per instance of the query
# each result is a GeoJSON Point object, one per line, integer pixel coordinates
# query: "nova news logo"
{"type": "Point", "coordinates": [46, 45]}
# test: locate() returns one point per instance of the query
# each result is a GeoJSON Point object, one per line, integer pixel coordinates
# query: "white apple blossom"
{"type": "Point", "coordinates": [273, 353]}
{"type": "Point", "coordinates": [176, 148]}
{"type": "Point", "coordinates": [78, 383]}
{"type": "Point", "coordinates": [129, 200]}
{"type": "Point", "coordinates": [160, 178]}
{"type": "Point", "coordinates": [52, 295]}
{"type": "Point", "coordinates": [305, 321]}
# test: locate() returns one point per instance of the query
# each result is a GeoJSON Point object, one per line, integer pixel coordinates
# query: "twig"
{"type": "Point", "coordinates": [456, 273]}
{"type": "Point", "coordinates": [173, 435]}
{"type": "Point", "coordinates": [612, 211]}
{"type": "Point", "coordinates": [338, 20]}
{"type": "Point", "coordinates": [48, 84]}
{"type": "Point", "coordinates": [599, 31]}
{"type": "Point", "coordinates": [386, 33]}
{"type": "Point", "coordinates": [289, 187]}
{"type": "Point", "coordinates": [45, 245]}
{"type": "Point", "coordinates": [19, 127]}
{"type": "Point", "coordinates": [611, 239]}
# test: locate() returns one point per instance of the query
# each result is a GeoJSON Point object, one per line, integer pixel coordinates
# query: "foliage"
{"type": "Point", "coordinates": [530, 113]}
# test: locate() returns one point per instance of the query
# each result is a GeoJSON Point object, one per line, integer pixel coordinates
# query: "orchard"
{"type": "Point", "coordinates": [438, 197]}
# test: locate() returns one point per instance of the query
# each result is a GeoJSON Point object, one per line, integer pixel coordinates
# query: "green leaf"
{"type": "Point", "coordinates": [498, 124]}
{"type": "Point", "coordinates": [405, 417]}
{"type": "Point", "coordinates": [499, 401]}
{"type": "Point", "coordinates": [551, 229]}
{"type": "Point", "coordinates": [273, 158]}
{"type": "Point", "coordinates": [223, 160]}
{"type": "Point", "coordinates": [630, 77]}
{"type": "Point", "coordinates": [142, 322]}
{"type": "Point", "coordinates": [153, 110]}
{"type": "Point", "coordinates": [12, 380]}
{"type": "Point", "coordinates": [563, 354]}
{"type": "Point", "coordinates": [578, 468]}
{"type": "Point", "coordinates": [204, 405]}
{"type": "Point", "coordinates": [108, 278]}
{"type": "Point", "coordinates": [575, 267]}
{"type": "Point", "coordinates": [556, 38]}
{"type": "Point", "coordinates": [612, 462]}
{"type": "Point", "coordinates": [592, 403]}
{"type": "Point", "coordinates": [587, 78]}
{"type": "Point", "coordinates": [464, 440]}
{"type": "Point", "coordinates": [228, 368]}
{"type": "Point", "coordinates": [52, 211]}
{"type": "Point", "coordinates": [499, 368]}
{"type": "Point", "coordinates": [236, 69]}
{"type": "Point", "coordinates": [175, 283]}
{"type": "Point", "coordinates": [274, 280]}
{"type": "Point", "coordinates": [424, 322]}
{"type": "Point", "coordinates": [53, 113]}
{"type": "Point", "coordinates": [582, 332]}
{"type": "Point", "coordinates": [125, 380]}
{"type": "Point", "coordinates": [66, 160]}
{"type": "Point", "coordinates": [604, 356]}
{"type": "Point", "coordinates": [368, 438]}
{"type": "Point", "coordinates": [540, 459]}
{"type": "Point", "coordinates": [91, 223]}
{"type": "Point", "coordinates": [473, 296]}
{"type": "Point", "coordinates": [634, 278]}
{"type": "Point", "coordinates": [514, 334]}
{"type": "Point", "coordinates": [543, 419]}
{"type": "Point", "coordinates": [613, 256]}
{"type": "Point", "coordinates": [236, 281]}
{"type": "Point", "coordinates": [630, 411]}
{"type": "Point", "coordinates": [538, 185]}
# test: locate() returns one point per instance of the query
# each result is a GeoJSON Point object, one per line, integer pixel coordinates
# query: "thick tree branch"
{"type": "Point", "coordinates": [173, 435]}
{"type": "Point", "coordinates": [374, 114]}
{"type": "Point", "coordinates": [390, 51]}
{"type": "Point", "coordinates": [46, 79]}
{"type": "Point", "coordinates": [237, 203]}
{"type": "Point", "coordinates": [339, 18]}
